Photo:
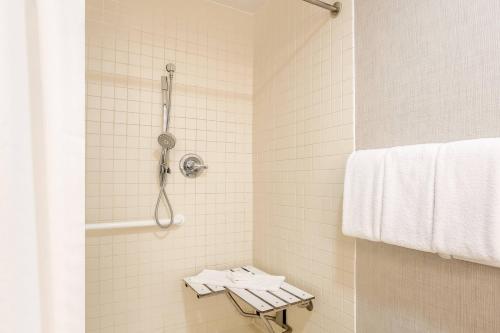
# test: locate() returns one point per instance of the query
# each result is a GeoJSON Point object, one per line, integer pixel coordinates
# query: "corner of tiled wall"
{"type": "Point", "coordinates": [303, 134]}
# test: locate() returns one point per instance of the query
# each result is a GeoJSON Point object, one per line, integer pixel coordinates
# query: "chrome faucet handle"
{"type": "Point", "coordinates": [198, 167]}
{"type": "Point", "coordinates": [192, 165]}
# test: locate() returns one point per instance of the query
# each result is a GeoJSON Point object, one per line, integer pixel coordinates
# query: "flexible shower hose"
{"type": "Point", "coordinates": [162, 193]}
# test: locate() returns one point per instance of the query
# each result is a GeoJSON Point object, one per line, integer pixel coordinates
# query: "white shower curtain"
{"type": "Point", "coordinates": [42, 138]}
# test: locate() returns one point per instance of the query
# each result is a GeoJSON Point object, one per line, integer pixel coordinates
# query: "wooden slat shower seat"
{"type": "Point", "coordinates": [270, 306]}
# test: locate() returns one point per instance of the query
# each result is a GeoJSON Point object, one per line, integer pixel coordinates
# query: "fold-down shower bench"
{"type": "Point", "coordinates": [266, 305]}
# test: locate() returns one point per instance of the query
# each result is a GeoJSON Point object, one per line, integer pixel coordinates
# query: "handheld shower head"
{"type": "Point", "coordinates": [166, 140]}
{"type": "Point", "coordinates": [171, 68]}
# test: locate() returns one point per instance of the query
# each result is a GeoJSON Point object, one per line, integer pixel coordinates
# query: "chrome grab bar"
{"type": "Point", "coordinates": [334, 8]}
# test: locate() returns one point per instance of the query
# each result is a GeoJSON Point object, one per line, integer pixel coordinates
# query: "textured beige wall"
{"type": "Point", "coordinates": [134, 277]}
{"type": "Point", "coordinates": [302, 135]}
{"type": "Point", "coordinates": [426, 71]}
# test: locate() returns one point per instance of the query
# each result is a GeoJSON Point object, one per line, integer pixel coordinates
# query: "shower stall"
{"type": "Point", "coordinates": [174, 86]}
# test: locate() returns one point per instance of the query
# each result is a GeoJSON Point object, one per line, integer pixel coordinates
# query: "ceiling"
{"type": "Point", "coordinates": [249, 6]}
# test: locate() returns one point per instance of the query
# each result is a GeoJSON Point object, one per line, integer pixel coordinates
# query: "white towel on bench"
{"type": "Point", "coordinates": [236, 277]}
{"type": "Point", "coordinates": [239, 280]}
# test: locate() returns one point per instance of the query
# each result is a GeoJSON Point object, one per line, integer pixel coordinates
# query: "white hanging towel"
{"type": "Point", "coordinates": [363, 194]}
{"type": "Point", "coordinates": [408, 196]}
{"type": "Point", "coordinates": [467, 208]}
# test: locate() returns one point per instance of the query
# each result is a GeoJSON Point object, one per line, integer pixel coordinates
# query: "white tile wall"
{"type": "Point", "coordinates": [302, 134]}
{"type": "Point", "coordinates": [134, 277]}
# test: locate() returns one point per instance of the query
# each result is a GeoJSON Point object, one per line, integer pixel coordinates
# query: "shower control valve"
{"type": "Point", "coordinates": [191, 165]}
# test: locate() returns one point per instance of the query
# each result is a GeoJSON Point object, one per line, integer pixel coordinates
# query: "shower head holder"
{"type": "Point", "coordinates": [170, 68]}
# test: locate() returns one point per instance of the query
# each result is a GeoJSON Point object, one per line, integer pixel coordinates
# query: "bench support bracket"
{"type": "Point", "coordinates": [279, 317]}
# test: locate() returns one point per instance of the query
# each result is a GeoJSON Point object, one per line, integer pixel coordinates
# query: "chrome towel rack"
{"type": "Point", "coordinates": [333, 8]}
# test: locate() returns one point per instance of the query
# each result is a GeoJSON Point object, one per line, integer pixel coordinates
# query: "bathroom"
{"type": "Point", "coordinates": [158, 140]}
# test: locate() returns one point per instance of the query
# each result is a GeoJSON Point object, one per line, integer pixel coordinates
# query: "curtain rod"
{"type": "Point", "coordinates": [334, 8]}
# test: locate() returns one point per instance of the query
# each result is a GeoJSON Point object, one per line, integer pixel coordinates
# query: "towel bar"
{"type": "Point", "coordinates": [269, 306]}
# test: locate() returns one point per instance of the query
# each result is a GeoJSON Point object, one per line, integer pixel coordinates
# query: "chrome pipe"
{"type": "Point", "coordinates": [334, 8]}
{"type": "Point", "coordinates": [167, 86]}
{"type": "Point", "coordinates": [165, 99]}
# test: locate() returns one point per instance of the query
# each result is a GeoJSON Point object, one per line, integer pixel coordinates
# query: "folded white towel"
{"type": "Point", "coordinates": [212, 277]}
{"type": "Point", "coordinates": [239, 276]}
{"type": "Point", "coordinates": [467, 207]}
{"type": "Point", "coordinates": [363, 194]}
{"type": "Point", "coordinates": [408, 196]}
{"type": "Point", "coordinates": [249, 280]}
{"type": "Point", "coordinates": [239, 280]}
